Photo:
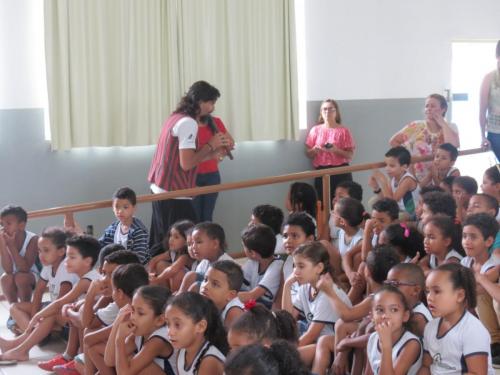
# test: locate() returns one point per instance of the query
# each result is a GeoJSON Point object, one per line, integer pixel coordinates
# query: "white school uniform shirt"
{"type": "Point", "coordinates": [204, 264]}
{"type": "Point", "coordinates": [421, 309]}
{"type": "Point", "coordinates": [235, 303]}
{"type": "Point", "coordinates": [334, 231]}
{"type": "Point", "coordinates": [91, 276]}
{"type": "Point", "coordinates": [490, 263]}
{"type": "Point", "coordinates": [269, 280]}
{"type": "Point", "coordinates": [167, 364]}
{"type": "Point", "coordinates": [451, 254]}
{"type": "Point", "coordinates": [279, 248]}
{"type": "Point", "coordinates": [120, 237]}
{"type": "Point", "coordinates": [319, 309]}
{"type": "Point", "coordinates": [22, 253]}
{"type": "Point", "coordinates": [415, 194]}
{"type": "Point", "coordinates": [343, 246]}
{"type": "Point", "coordinates": [448, 352]}
{"type": "Point", "coordinates": [375, 356]}
{"type": "Point", "coordinates": [207, 350]}
{"type": "Point", "coordinates": [54, 281]}
{"type": "Point", "coordinates": [108, 314]}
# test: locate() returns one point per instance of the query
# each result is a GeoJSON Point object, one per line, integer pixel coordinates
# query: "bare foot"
{"type": "Point", "coordinates": [6, 345]}
{"type": "Point", "coordinates": [14, 355]}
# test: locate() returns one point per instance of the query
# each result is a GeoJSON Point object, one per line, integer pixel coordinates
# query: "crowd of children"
{"type": "Point", "coordinates": [410, 288]}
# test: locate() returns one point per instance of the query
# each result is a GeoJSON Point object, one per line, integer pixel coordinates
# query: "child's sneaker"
{"type": "Point", "coordinates": [66, 369]}
{"type": "Point", "coordinates": [58, 360]}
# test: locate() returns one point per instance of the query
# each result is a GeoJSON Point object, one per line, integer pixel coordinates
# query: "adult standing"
{"type": "Point", "coordinates": [176, 157]}
{"type": "Point", "coordinates": [489, 108]}
{"type": "Point", "coordinates": [330, 144]}
{"type": "Point", "coordinates": [422, 137]}
{"type": "Point", "coordinates": [208, 170]}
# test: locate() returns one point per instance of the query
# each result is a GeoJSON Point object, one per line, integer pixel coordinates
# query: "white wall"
{"type": "Point", "coordinates": [359, 49]}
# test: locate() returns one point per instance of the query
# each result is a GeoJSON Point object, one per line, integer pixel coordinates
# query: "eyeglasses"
{"type": "Point", "coordinates": [397, 284]}
{"type": "Point", "coordinates": [328, 109]}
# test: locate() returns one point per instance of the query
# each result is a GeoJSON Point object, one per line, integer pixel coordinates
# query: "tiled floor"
{"type": "Point", "coordinates": [36, 354]}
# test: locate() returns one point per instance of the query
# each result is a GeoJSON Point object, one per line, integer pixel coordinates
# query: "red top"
{"type": "Point", "coordinates": [340, 137]}
{"type": "Point", "coordinates": [204, 135]}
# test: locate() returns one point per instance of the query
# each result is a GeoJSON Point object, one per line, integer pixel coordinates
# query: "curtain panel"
{"type": "Point", "coordinates": [117, 68]}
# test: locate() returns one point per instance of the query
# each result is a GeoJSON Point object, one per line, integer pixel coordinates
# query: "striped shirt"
{"type": "Point", "coordinates": [165, 171]}
{"type": "Point", "coordinates": [137, 240]}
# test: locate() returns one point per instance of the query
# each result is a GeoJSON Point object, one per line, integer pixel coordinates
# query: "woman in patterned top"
{"type": "Point", "coordinates": [423, 137]}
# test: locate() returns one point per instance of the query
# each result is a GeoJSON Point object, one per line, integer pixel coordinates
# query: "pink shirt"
{"type": "Point", "coordinates": [340, 137]}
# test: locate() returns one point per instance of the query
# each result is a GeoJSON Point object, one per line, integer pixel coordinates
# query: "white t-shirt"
{"type": "Point", "coordinates": [211, 351]}
{"type": "Point", "coordinates": [270, 279]}
{"type": "Point", "coordinates": [204, 264]}
{"type": "Point", "coordinates": [448, 352]}
{"type": "Point", "coordinates": [375, 356]}
{"type": "Point", "coordinates": [279, 248]}
{"type": "Point", "coordinates": [120, 237]}
{"type": "Point", "coordinates": [235, 303]}
{"type": "Point", "coordinates": [490, 263]}
{"type": "Point", "coordinates": [108, 314]}
{"type": "Point", "coordinates": [343, 246]}
{"type": "Point", "coordinates": [167, 364]}
{"type": "Point", "coordinates": [91, 276]}
{"type": "Point", "coordinates": [319, 309]}
{"type": "Point", "coordinates": [186, 130]}
{"type": "Point", "coordinates": [54, 282]}
{"type": "Point", "coordinates": [421, 309]}
{"type": "Point", "coordinates": [451, 254]}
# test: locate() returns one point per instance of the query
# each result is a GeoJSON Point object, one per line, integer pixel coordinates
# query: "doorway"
{"type": "Point", "coordinates": [470, 62]}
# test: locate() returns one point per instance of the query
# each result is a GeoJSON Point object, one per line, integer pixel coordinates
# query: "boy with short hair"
{"type": "Point", "coordinates": [81, 255]}
{"type": "Point", "coordinates": [442, 165]}
{"type": "Point", "coordinates": [272, 216]}
{"type": "Point", "coordinates": [344, 189]}
{"type": "Point", "coordinates": [262, 271]}
{"type": "Point", "coordinates": [462, 189]}
{"type": "Point", "coordinates": [478, 234]}
{"type": "Point", "coordinates": [127, 230]}
{"type": "Point", "coordinates": [125, 279]}
{"type": "Point", "coordinates": [385, 212]}
{"type": "Point", "coordinates": [222, 282]}
{"type": "Point", "coordinates": [402, 185]}
{"type": "Point", "coordinates": [18, 255]}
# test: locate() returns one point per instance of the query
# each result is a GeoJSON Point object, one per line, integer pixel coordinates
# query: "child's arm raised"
{"type": "Point", "coordinates": [346, 313]}
{"type": "Point", "coordinates": [109, 352]}
{"type": "Point", "coordinates": [406, 357]}
{"type": "Point", "coordinates": [286, 299]}
{"type": "Point", "coordinates": [5, 257]}
{"type": "Point", "coordinates": [88, 313]}
{"type": "Point", "coordinates": [366, 244]}
{"type": "Point", "coordinates": [126, 364]}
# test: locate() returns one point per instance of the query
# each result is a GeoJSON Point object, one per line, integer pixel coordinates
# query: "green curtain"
{"type": "Point", "coordinates": [117, 68]}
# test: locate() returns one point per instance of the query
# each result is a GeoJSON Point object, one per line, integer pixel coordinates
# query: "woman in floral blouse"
{"type": "Point", "coordinates": [422, 137]}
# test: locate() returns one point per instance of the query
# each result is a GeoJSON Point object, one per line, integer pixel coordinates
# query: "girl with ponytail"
{"type": "Point", "coordinates": [196, 330]}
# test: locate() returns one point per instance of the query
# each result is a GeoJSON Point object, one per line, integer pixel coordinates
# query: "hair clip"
{"type": "Point", "coordinates": [406, 233]}
{"type": "Point", "coordinates": [250, 304]}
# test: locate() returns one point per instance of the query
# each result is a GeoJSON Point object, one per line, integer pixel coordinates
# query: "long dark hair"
{"type": "Point", "coordinates": [199, 91]}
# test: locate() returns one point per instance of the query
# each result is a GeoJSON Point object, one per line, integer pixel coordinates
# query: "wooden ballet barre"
{"type": "Point", "coordinates": [236, 185]}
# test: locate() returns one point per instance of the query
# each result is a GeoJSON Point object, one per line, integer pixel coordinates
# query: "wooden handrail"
{"type": "Point", "coordinates": [232, 186]}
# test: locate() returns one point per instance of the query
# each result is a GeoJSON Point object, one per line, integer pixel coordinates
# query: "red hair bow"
{"type": "Point", "coordinates": [250, 304]}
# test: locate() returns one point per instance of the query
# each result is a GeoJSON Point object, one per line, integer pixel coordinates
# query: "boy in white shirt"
{"type": "Point", "coordinates": [262, 271]}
